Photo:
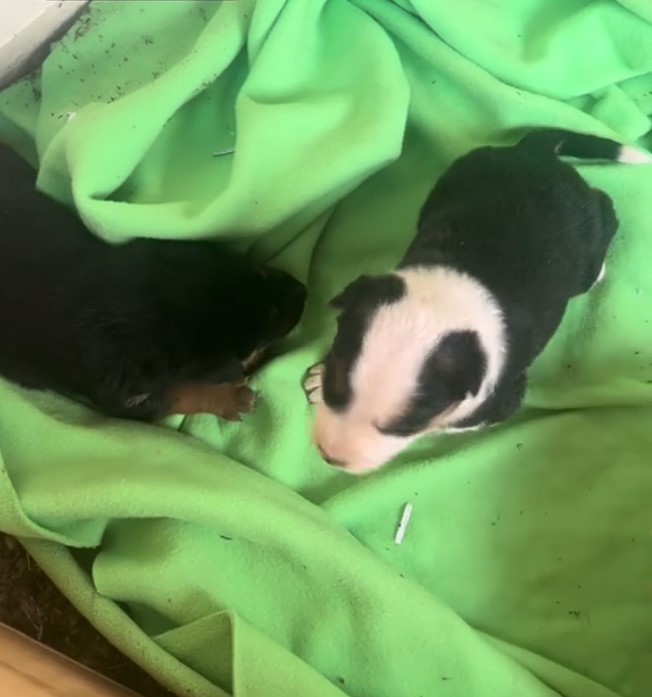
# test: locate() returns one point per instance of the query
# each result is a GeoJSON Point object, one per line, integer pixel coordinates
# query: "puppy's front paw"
{"type": "Point", "coordinates": [228, 400]}
{"type": "Point", "coordinates": [241, 400]}
{"type": "Point", "coordinates": [312, 384]}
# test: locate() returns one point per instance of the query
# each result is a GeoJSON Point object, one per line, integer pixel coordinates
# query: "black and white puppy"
{"type": "Point", "coordinates": [505, 239]}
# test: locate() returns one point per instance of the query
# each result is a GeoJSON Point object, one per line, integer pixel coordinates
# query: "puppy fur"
{"type": "Point", "coordinates": [139, 330]}
{"type": "Point", "coordinates": [507, 237]}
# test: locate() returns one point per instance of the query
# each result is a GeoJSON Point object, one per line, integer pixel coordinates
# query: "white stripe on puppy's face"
{"type": "Point", "coordinates": [415, 351]}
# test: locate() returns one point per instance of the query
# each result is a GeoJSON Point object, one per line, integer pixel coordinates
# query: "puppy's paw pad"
{"type": "Point", "coordinates": [246, 399]}
{"type": "Point", "coordinates": [315, 396]}
{"type": "Point", "coordinates": [312, 383]}
{"type": "Point", "coordinates": [316, 369]}
{"type": "Point", "coordinates": [243, 400]}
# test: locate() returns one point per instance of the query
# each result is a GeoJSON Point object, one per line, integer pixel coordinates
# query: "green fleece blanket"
{"type": "Point", "coordinates": [228, 559]}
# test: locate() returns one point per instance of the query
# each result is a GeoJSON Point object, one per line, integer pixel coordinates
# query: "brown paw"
{"type": "Point", "coordinates": [239, 400]}
{"type": "Point", "coordinates": [227, 400]}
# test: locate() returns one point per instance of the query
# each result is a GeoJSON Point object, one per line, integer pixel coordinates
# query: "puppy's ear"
{"type": "Point", "coordinates": [354, 290]}
{"type": "Point", "coordinates": [368, 291]}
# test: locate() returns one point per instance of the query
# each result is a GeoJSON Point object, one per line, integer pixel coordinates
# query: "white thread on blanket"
{"type": "Point", "coordinates": [402, 526]}
{"type": "Point", "coordinates": [221, 153]}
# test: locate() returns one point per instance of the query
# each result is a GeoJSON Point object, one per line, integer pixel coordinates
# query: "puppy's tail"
{"type": "Point", "coordinates": [583, 146]}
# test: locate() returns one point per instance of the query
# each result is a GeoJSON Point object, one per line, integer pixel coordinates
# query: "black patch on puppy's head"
{"type": "Point", "coordinates": [453, 371]}
{"type": "Point", "coordinates": [368, 292]}
{"type": "Point", "coordinates": [357, 303]}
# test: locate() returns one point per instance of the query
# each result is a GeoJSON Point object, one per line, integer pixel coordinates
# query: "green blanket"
{"type": "Point", "coordinates": [228, 559]}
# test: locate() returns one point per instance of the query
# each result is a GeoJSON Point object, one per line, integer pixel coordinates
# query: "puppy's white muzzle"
{"type": "Point", "coordinates": [353, 445]}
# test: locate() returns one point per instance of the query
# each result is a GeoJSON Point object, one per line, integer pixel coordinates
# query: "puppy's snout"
{"type": "Point", "coordinates": [327, 458]}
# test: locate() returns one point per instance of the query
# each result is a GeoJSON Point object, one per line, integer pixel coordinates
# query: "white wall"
{"type": "Point", "coordinates": [26, 25]}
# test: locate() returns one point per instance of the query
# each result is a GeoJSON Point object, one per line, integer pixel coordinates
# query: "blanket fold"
{"type": "Point", "coordinates": [228, 559]}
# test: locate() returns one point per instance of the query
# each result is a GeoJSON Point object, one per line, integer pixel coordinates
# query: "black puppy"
{"type": "Point", "coordinates": [140, 330]}
{"type": "Point", "coordinates": [505, 239]}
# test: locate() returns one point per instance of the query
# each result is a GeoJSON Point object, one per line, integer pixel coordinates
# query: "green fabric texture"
{"type": "Point", "coordinates": [228, 559]}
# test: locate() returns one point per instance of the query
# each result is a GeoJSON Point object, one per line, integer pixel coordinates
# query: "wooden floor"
{"type": "Point", "coordinates": [28, 669]}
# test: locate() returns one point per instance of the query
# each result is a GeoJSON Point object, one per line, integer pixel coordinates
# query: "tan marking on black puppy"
{"type": "Point", "coordinates": [228, 401]}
